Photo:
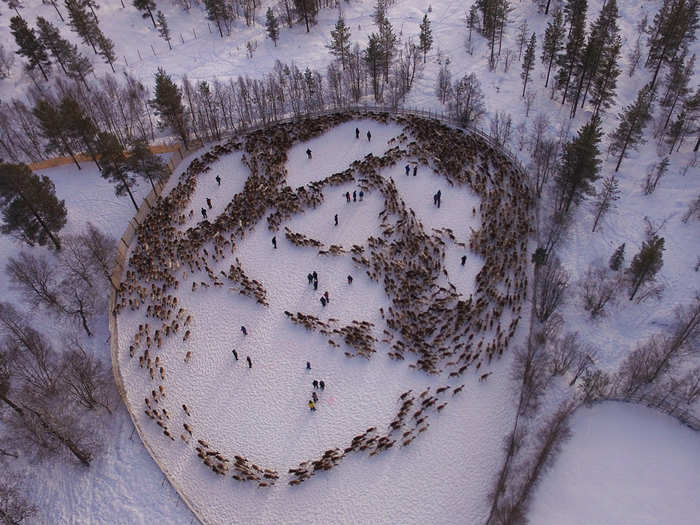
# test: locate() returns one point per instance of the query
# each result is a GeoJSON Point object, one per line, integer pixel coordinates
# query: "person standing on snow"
{"type": "Point", "coordinates": [369, 137]}
{"type": "Point", "coordinates": [250, 363]}
{"type": "Point", "coordinates": [274, 242]}
{"type": "Point", "coordinates": [357, 133]}
{"type": "Point", "coordinates": [308, 152]}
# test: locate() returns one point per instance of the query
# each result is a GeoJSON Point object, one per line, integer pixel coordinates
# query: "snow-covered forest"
{"type": "Point", "coordinates": [595, 104]}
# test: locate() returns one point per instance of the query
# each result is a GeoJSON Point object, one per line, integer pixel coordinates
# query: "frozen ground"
{"type": "Point", "coordinates": [624, 464]}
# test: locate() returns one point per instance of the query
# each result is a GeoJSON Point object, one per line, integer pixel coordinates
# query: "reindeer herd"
{"type": "Point", "coordinates": [433, 326]}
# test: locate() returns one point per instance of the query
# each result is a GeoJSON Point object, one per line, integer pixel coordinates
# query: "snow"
{"type": "Point", "coordinates": [261, 413]}
{"type": "Point", "coordinates": [624, 464]}
{"type": "Point", "coordinates": [444, 476]}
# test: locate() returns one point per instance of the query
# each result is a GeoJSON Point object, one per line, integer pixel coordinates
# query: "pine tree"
{"type": "Point", "coordinates": [218, 12]}
{"type": "Point", "coordinates": [106, 49]}
{"type": "Point", "coordinates": [307, 10]}
{"type": "Point", "coordinates": [575, 11]}
{"type": "Point", "coordinates": [51, 39]}
{"type": "Point", "coordinates": [147, 7]}
{"type": "Point", "coordinates": [553, 41]}
{"type": "Point", "coordinates": [605, 199]}
{"type": "Point", "coordinates": [388, 41]}
{"type": "Point", "coordinates": [677, 80]}
{"type": "Point", "coordinates": [29, 46]}
{"type": "Point", "coordinates": [472, 19]}
{"type": "Point", "coordinates": [272, 26]}
{"type": "Point", "coordinates": [78, 127]}
{"type": "Point", "coordinates": [580, 165]}
{"type": "Point", "coordinates": [604, 32]}
{"type": "Point", "coordinates": [29, 205]}
{"type": "Point", "coordinates": [605, 82]}
{"type": "Point", "coordinates": [115, 166]}
{"type": "Point", "coordinates": [82, 23]}
{"type": "Point", "coordinates": [522, 39]}
{"type": "Point", "coordinates": [618, 258]}
{"type": "Point", "coordinates": [528, 61]}
{"type": "Point", "coordinates": [633, 120]}
{"type": "Point", "coordinates": [646, 264]}
{"type": "Point", "coordinates": [145, 163]}
{"type": "Point", "coordinates": [163, 29]}
{"type": "Point", "coordinates": [687, 122]}
{"type": "Point", "coordinates": [340, 41]}
{"type": "Point", "coordinates": [53, 128]}
{"type": "Point", "coordinates": [373, 59]}
{"type": "Point", "coordinates": [168, 106]}
{"type": "Point", "coordinates": [426, 36]}
{"type": "Point", "coordinates": [673, 29]}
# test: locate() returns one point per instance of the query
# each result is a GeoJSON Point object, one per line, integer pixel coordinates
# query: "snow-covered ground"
{"type": "Point", "coordinates": [262, 414]}
{"type": "Point", "coordinates": [124, 485]}
{"type": "Point", "coordinates": [624, 464]}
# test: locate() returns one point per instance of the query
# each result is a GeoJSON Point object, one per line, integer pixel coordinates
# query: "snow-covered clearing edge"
{"type": "Point", "coordinates": [119, 266]}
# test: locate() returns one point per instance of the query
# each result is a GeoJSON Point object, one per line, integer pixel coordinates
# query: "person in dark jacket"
{"type": "Point", "coordinates": [308, 152]}
{"type": "Point", "coordinates": [250, 363]}
{"type": "Point", "coordinates": [274, 242]}
{"type": "Point", "coordinates": [204, 213]}
{"type": "Point", "coordinates": [357, 133]}
{"type": "Point", "coordinates": [245, 332]}
{"type": "Point", "coordinates": [235, 354]}
{"type": "Point", "coordinates": [218, 180]}
{"type": "Point", "coordinates": [208, 203]}
{"type": "Point", "coordinates": [369, 137]}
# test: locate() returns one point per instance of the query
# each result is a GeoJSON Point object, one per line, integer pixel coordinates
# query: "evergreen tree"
{"type": "Point", "coordinates": [379, 14]}
{"type": "Point", "coordinates": [677, 80]}
{"type": "Point", "coordinates": [146, 7]}
{"type": "Point", "coordinates": [604, 32]}
{"type": "Point", "coordinates": [340, 41]}
{"type": "Point", "coordinates": [522, 37]}
{"type": "Point", "coordinates": [106, 49]}
{"type": "Point", "coordinates": [426, 36]}
{"type": "Point", "coordinates": [646, 264]}
{"type": "Point", "coordinates": [163, 29]}
{"type": "Point", "coordinates": [115, 166]}
{"type": "Point", "coordinates": [687, 122]}
{"type": "Point", "coordinates": [373, 59]}
{"type": "Point", "coordinates": [75, 65]}
{"type": "Point", "coordinates": [575, 11]}
{"type": "Point", "coordinates": [618, 258]}
{"type": "Point", "coordinates": [472, 19]}
{"type": "Point", "coordinates": [53, 128]}
{"type": "Point", "coordinates": [168, 106]}
{"type": "Point", "coordinates": [388, 42]}
{"type": "Point", "coordinates": [145, 163]}
{"type": "Point", "coordinates": [272, 26]}
{"type": "Point", "coordinates": [605, 82]}
{"type": "Point", "coordinates": [29, 45]}
{"type": "Point", "coordinates": [633, 120]}
{"type": "Point", "coordinates": [605, 199]}
{"type": "Point", "coordinates": [553, 41]}
{"type": "Point", "coordinates": [307, 10]}
{"type": "Point", "coordinates": [673, 29]}
{"type": "Point", "coordinates": [78, 126]}
{"type": "Point", "coordinates": [528, 61]}
{"type": "Point", "coordinates": [580, 165]}
{"type": "Point", "coordinates": [29, 205]}
{"type": "Point", "coordinates": [82, 23]}
{"type": "Point", "coordinates": [218, 11]}
{"type": "Point", "coordinates": [51, 39]}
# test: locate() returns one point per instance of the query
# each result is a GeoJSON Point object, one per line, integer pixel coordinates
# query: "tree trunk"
{"type": "Point", "coordinates": [624, 146]}
{"type": "Point", "coordinates": [151, 15]}
{"type": "Point", "coordinates": [56, 8]}
{"type": "Point", "coordinates": [83, 456]}
{"type": "Point", "coordinates": [9, 403]}
{"type": "Point", "coordinates": [549, 68]}
{"type": "Point", "coordinates": [638, 283]}
{"type": "Point", "coordinates": [128, 189]}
